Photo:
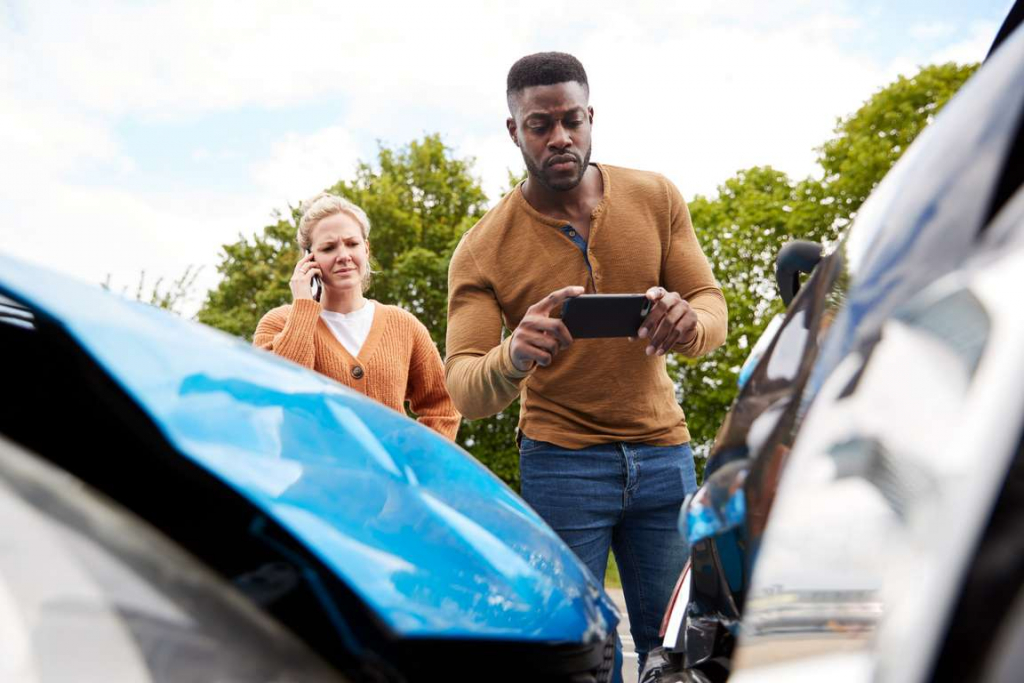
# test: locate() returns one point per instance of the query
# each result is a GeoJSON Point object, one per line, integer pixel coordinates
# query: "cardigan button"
{"type": "Point", "coordinates": [357, 372]}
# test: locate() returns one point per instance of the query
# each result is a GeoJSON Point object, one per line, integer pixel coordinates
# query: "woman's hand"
{"type": "Point", "coordinates": [302, 278]}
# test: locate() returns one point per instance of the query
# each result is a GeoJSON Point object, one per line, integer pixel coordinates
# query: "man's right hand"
{"type": "Point", "coordinates": [539, 336]}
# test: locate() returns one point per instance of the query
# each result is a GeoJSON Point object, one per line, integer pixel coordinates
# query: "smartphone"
{"type": "Point", "coordinates": [318, 286]}
{"type": "Point", "coordinates": [593, 316]}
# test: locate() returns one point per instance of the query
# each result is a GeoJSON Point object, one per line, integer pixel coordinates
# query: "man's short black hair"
{"type": "Point", "coordinates": [544, 68]}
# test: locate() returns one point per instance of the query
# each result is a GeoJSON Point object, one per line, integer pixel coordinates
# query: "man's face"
{"type": "Point", "coordinates": [551, 126]}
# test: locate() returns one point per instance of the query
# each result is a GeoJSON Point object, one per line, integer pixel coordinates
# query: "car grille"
{"type": "Point", "coordinates": [604, 672]}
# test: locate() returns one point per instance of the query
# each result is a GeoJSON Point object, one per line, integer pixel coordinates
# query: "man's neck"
{"type": "Point", "coordinates": [580, 200]}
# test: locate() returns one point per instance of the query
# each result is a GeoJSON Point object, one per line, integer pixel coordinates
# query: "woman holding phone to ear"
{"type": "Point", "coordinates": [382, 351]}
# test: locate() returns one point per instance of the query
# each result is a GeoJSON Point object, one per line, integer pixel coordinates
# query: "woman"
{"type": "Point", "coordinates": [381, 351]}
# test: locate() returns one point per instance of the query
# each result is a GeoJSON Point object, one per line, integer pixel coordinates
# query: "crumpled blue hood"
{"type": "Point", "coordinates": [426, 535]}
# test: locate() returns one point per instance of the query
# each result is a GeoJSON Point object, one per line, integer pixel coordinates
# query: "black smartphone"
{"type": "Point", "coordinates": [593, 316]}
{"type": "Point", "coordinates": [318, 286]}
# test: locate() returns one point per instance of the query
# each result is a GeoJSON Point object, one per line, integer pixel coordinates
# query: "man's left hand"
{"type": "Point", "coordinates": [670, 322]}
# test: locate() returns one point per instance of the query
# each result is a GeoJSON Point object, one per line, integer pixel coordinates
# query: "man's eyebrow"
{"type": "Point", "coordinates": [545, 115]}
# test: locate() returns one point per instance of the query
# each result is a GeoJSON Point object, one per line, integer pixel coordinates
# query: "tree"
{"type": "Point", "coordinates": [868, 142]}
{"type": "Point", "coordinates": [420, 200]}
{"type": "Point", "coordinates": [741, 230]}
{"type": "Point", "coordinates": [758, 210]}
{"type": "Point", "coordinates": [255, 277]}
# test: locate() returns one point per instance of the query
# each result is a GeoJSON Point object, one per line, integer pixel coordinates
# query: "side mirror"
{"type": "Point", "coordinates": [798, 256]}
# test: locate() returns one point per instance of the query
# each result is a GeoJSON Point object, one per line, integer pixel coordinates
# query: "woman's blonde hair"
{"type": "Point", "coordinates": [324, 205]}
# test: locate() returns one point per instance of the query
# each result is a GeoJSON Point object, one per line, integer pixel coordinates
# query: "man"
{"type": "Point", "coordinates": [604, 452]}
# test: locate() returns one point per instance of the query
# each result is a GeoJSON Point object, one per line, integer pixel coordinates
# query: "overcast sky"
{"type": "Point", "coordinates": [144, 135]}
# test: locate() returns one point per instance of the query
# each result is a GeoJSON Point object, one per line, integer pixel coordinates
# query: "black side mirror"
{"type": "Point", "coordinates": [798, 256]}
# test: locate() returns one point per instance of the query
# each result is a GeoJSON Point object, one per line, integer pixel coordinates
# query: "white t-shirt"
{"type": "Point", "coordinates": [351, 329]}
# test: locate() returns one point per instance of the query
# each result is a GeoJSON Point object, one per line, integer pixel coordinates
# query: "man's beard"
{"type": "Point", "coordinates": [540, 175]}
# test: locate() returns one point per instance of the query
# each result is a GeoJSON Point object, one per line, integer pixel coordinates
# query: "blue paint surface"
{"type": "Point", "coordinates": [420, 530]}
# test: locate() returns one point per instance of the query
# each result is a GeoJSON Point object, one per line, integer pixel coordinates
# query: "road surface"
{"type": "Point", "coordinates": [629, 674]}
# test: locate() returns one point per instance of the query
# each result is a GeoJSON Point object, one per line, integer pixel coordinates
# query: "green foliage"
{"type": "Point", "coordinates": [759, 209]}
{"type": "Point", "coordinates": [493, 443]}
{"type": "Point", "coordinates": [611, 575]}
{"type": "Point", "coordinates": [255, 277]}
{"type": "Point", "coordinates": [420, 199]}
{"type": "Point", "coordinates": [741, 230]}
{"type": "Point", "coordinates": [514, 179]}
{"type": "Point", "coordinates": [872, 139]}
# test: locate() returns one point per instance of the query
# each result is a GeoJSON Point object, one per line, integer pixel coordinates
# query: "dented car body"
{"type": "Point", "coordinates": [383, 549]}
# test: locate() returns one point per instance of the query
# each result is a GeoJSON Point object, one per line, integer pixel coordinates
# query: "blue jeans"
{"type": "Point", "coordinates": [623, 496]}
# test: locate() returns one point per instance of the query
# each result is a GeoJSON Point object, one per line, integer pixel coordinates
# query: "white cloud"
{"type": "Point", "coordinates": [696, 90]}
{"type": "Point", "coordinates": [301, 165]}
{"type": "Point", "coordinates": [95, 232]}
{"type": "Point", "coordinates": [494, 157]}
{"type": "Point", "coordinates": [932, 30]}
{"type": "Point", "coordinates": [204, 155]}
{"type": "Point", "coordinates": [722, 98]}
{"type": "Point", "coordinates": [973, 49]}
{"type": "Point", "coordinates": [970, 49]}
{"type": "Point", "coordinates": [171, 58]}
{"type": "Point", "coordinates": [39, 142]}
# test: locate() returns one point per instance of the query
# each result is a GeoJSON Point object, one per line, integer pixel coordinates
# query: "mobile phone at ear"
{"type": "Point", "coordinates": [318, 286]}
{"type": "Point", "coordinates": [594, 316]}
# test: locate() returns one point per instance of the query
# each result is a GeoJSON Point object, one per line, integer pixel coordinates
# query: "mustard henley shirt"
{"type": "Point", "coordinates": [598, 390]}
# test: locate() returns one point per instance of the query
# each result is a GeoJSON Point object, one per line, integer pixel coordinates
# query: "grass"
{"type": "Point", "coordinates": [611, 576]}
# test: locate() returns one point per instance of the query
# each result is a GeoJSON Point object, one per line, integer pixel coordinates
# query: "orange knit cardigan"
{"type": "Point", "coordinates": [397, 363]}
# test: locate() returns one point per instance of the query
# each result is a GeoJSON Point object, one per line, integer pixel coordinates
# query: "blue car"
{"type": "Point", "coordinates": [179, 506]}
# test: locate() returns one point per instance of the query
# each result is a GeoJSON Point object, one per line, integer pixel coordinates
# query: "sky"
{"type": "Point", "coordinates": [141, 136]}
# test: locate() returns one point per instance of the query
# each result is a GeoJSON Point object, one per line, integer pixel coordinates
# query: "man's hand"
{"type": "Point", "coordinates": [670, 322]}
{"type": "Point", "coordinates": [539, 336]}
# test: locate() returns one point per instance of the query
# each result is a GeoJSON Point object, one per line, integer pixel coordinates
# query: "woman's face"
{"type": "Point", "coordinates": [341, 252]}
